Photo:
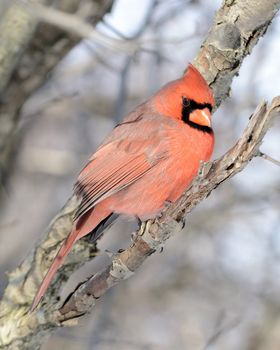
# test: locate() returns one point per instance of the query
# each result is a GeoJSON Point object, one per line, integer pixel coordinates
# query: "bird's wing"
{"type": "Point", "coordinates": [115, 166]}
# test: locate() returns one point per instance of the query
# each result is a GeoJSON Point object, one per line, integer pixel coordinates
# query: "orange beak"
{"type": "Point", "coordinates": [201, 117]}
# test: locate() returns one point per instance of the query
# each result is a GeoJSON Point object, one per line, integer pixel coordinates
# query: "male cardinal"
{"type": "Point", "coordinates": [147, 160]}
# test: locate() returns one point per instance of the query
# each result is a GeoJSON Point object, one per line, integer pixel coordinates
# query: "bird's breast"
{"type": "Point", "coordinates": [181, 151]}
{"type": "Point", "coordinates": [187, 148]}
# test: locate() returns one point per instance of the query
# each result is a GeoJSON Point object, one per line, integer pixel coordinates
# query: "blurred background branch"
{"type": "Point", "coordinates": [29, 51]}
{"type": "Point", "coordinates": [76, 25]}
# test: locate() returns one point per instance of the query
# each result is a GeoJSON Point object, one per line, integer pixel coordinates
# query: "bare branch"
{"type": "Point", "coordinates": [29, 52]}
{"type": "Point", "coordinates": [238, 27]}
{"type": "Point", "coordinates": [79, 27]}
{"type": "Point", "coordinates": [154, 233]}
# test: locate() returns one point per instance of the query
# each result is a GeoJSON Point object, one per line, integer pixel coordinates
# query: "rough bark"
{"type": "Point", "coordinates": [237, 27]}
{"type": "Point", "coordinates": [28, 52]}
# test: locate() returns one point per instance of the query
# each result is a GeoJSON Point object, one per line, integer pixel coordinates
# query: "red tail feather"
{"type": "Point", "coordinates": [83, 226]}
{"type": "Point", "coordinates": [58, 260]}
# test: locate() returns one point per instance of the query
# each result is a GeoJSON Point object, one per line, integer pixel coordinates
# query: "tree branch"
{"type": "Point", "coordinates": [80, 28]}
{"type": "Point", "coordinates": [154, 233]}
{"type": "Point", "coordinates": [237, 27]}
{"type": "Point", "coordinates": [16, 30]}
{"type": "Point", "coordinates": [28, 52]}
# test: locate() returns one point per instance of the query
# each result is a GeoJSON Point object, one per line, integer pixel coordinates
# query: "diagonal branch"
{"type": "Point", "coordinates": [152, 234]}
{"type": "Point", "coordinates": [79, 27]}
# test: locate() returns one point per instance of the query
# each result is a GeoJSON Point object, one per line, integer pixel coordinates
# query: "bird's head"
{"type": "Point", "coordinates": [189, 99]}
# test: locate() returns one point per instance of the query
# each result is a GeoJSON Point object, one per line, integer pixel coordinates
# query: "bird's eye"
{"type": "Point", "coordinates": [185, 101]}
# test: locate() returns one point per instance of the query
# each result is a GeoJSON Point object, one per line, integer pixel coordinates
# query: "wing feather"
{"type": "Point", "coordinates": [103, 180]}
{"type": "Point", "coordinates": [124, 157]}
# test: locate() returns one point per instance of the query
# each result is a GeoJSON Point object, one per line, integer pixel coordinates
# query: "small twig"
{"type": "Point", "coordinates": [221, 327]}
{"type": "Point", "coordinates": [270, 159]}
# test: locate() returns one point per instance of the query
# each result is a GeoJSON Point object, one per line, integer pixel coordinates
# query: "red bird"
{"type": "Point", "coordinates": [147, 160]}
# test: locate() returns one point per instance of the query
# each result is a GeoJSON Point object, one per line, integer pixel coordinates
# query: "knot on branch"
{"type": "Point", "coordinates": [119, 270]}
